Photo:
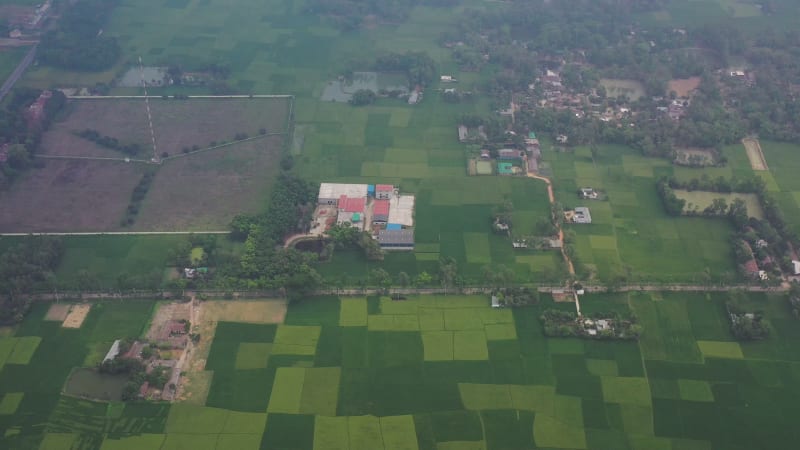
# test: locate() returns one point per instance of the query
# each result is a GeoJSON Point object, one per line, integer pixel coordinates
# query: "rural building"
{"type": "Point", "coordinates": [35, 112]}
{"type": "Point", "coordinates": [351, 210]}
{"type": "Point", "coordinates": [495, 302]}
{"type": "Point", "coordinates": [447, 79]}
{"type": "Point", "coordinates": [112, 352]}
{"type": "Point", "coordinates": [380, 211]}
{"type": "Point", "coordinates": [401, 210]}
{"type": "Point", "coordinates": [384, 191]}
{"type": "Point", "coordinates": [396, 239]}
{"type": "Point", "coordinates": [505, 168]}
{"type": "Point", "coordinates": [485, 154]}
{"type": "Point", "coordinates": [562, 139]}
{"type": "Point", "coordinates": [329, 193]}
{"type": "Point", "coordinates": [582, 215]}
{"type": "Point", "coordinates": [796, 267]}
{"type": "Point", "coordinates": [463, 133]}
{"type": "Point", "coordinates": [509, 153]}
{"type": "Point", "coordinates": [588, 193]}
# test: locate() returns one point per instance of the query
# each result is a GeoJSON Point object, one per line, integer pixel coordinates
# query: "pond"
{"type": "Point", "coordinates": [89, 383]}
{"type": "Point", "coordinates": [629, 88]}
{"type": "Point", "coordinates": [154, 76]}
{"type": "Point", "coordinates": [342, 90]}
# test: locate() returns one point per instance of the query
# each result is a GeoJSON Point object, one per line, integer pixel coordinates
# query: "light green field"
{"type": "Point", "coordinates": [287, 391]}
{"type": "Point", "coordinates": [353, 312]}
{"type": "Point", "coordinates": [470, 346]}
{"type": "Point", "coordinates": [700, 200]}
{"type": "Point", "coordinates": [438, 345]}
{"type": "Point", "coordinates": [10, 402]}
{"type": "Point", "coordinates": [716, 349]}
{"type": "Point", "coordinates": [24, 348]}
{"type": "Point", "coordinates": [628, 390]}
{"type": "Point", "coordinates": [296, 340]}
{"type": "Point", "coordinates": [252, 355]}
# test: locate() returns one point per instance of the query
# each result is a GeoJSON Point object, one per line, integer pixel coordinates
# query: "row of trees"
{"type": "Point", "coordinates": [109, 142]}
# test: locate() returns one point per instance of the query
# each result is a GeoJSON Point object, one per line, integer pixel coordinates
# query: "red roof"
{"type": "Point", "coordinates": [352, 205]}
{"type": "Point", "coordinates": [381, 207]}
{"type": "Point", "coordinates": [384, 188]}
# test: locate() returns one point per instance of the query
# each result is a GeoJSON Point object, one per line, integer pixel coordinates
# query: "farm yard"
{"type": "Point", "coordinates": [429, 372]}
{"type": "Point", "coordinates": [196, 192]}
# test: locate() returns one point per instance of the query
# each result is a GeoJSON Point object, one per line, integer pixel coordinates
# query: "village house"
{"type": "Point", "coordinates": [380, 211]}
{"type": "Point", "coordinates": [509, 154]}
{"type": "Point", "coordinates": [384, 191]}
{"type": "Point", "coordinates": [396, 239]}
{"type": "Point", "coordinates": [588, 193]}
{"type": "Point", "coordinates": [485, 154]}
{"type": "Point", "coordinates": [581, 215]}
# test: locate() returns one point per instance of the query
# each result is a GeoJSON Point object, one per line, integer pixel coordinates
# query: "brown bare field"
{"type": "Point", "coordinates": [164, 313]}
{"type": "Point", "coordinates": [754, 154]}
{"type": "Point", "coordinates": [77, 314]}
{"type": "Point", "coordinates": [252, 311]}
{"type": "Point", "coordinates": [684, 86]}
{"type": "Point", "coordinates": [176, 123]}
{"type": "Point", "coordinates": [197, 192]}
{"type": "Point", "coordinates": [194, 387]}
{"type": "Point", "coordinates": [69, 195]}
{"type": "Point", "coordinates": [57, 312]}
{"type": "Point", "coordinates": [205, 190]}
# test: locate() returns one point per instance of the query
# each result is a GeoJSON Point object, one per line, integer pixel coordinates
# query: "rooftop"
{"type": "Point", "coordinates": [402, 210]}
{"type": "Point", "coordinates": [381, 207]}
{"type": "Point", "coordinates": [336, 190]}
{"type": "Point", "coordinates": [405, 237]}
{"type": "Point", "coordinates": [384, 188]}
{"type": "Point", "coordinates": [353, 205]}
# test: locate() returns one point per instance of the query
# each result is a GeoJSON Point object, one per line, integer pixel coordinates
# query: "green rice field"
{"type": "Point", "coordinates": [426, 373]}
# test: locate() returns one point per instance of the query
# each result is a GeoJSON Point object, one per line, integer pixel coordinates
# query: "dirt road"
{"type": "Point", "coordinates": [552, 198]}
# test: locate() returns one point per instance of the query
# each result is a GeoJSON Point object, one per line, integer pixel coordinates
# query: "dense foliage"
{"type": "Point", "coordinates": [24, 267]}
{"type": "Point", "coordinates": [746, 326]}
{"type": "Point", "coordinates": [109, 142]}
{"type": "Point", "coordinates": [598, 325]}
{"type": "Point", "coordinates": [516, 296]}
{"type": "Point", "coordinates": [78, 42]}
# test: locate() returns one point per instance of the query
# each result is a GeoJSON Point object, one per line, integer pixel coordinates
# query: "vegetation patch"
{"type": "Point", "coordinates": [720, 349]}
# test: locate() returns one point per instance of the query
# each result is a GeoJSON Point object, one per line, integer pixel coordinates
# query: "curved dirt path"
{"type": "Point", "coordinates": [552, 198]}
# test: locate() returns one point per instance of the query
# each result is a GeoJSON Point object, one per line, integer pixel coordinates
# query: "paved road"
{"type": "Point", "coordinates": [23, 65]}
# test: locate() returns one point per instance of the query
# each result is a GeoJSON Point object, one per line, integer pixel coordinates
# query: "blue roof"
{"type": "Point", "coordinates": [370, 188]}
{"type": "Point", "coordinates": [394, 226]}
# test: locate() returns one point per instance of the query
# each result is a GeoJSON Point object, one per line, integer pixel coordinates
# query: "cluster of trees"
{"type": "Point", "coordinates": [77, 42]}
{"type": "Point", "coordinates": [264, 263]}
{"type": "Point", "coordinates": [344, 236]}
{"type": "Point", "coordinates": [109, 142]}
{"type": "Point", "coordinates": [794, 299]}
{"type": "Point", "coordinates": [672, 204]}
{"type": "Point", "coordinates": [419, 67]}
{"type": "Point", "coordinates": [137, 196]}
{"type": "Point", "coordinates": [351, 14]}
{"type": "Point", "coordinates": [137, 375]}
{"type": "Point", "coordinates": [746, 326]}
{"type": "Point", "coordinates": [24, 267]}
{"type": "Point", "coordinates": [558, 323]}
{"type": "Point", "coordinates": [363, 97]}
{"type": "Point", "coordinates": [517, 296]}
{"type": "Point", "coordinates": [22, 135]}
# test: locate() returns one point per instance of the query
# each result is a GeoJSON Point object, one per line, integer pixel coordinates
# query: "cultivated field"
{"type": "Point", "coordinates": [428, 372]}
{"type": "Point", "coordinates": [197, 192]}
{"type": "Point", "coordinates": [177, 124]}
{"type": "Point", "coordinates": [683, 87]}
{"type": "Point", "coordinates": [69, 196]}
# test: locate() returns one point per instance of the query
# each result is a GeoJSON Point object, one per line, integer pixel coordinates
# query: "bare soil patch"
{"type": "Point", "coordinates": [57, 312]}
{"type": "Point", "coordinates": [77, 314]}
{"type": "Point", "coordinates": [684, 86]}
{"type": "Point", "coordinates": [205, 190]}
{"type": "Point", "coordinates": [194, 387]}
{"type": "Point", "coordinates": [754, 154]}
{"type": "Point", "coordinates": [252, 311]}
{"type": "Point", "coordinates": [69, 196]}
{"type": "Point", "coordinates": [176, 123]}
{"type": "Point", "coordinates": [165, 313]}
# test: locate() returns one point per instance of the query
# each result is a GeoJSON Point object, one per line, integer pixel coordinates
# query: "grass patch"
{"type": "Point", "coordinates": [287, 390]}
{"type": "Point", "coordinates": [252, 355]}
{"type": "Point", "coordinates": [470, 346]}
{"type": "Point", "coordinates": [353, 312]}
{"type": "Point", "coordinates": [719, 349]}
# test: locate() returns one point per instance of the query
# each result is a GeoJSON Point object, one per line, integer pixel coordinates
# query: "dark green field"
{"type": "Point", "coordinates": [428, 373]}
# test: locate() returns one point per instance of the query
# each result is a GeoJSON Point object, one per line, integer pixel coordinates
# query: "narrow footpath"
{"type": "Point", "coordinates": [552, 198]}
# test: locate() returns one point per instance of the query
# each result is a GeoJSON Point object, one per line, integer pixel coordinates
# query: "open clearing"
{"type": "Point", "coordinates": [700, 200]}
{"type": "Point", "coordinates": [57, 312]}
{"type": "Point", "coordinates": [754, 154]}
{"type": "Point", "coordinates": [77, 314]}
{"type": "Point", "coordinates": [683, 87]}
{"type": "Point", "coordinates": [616, 87]}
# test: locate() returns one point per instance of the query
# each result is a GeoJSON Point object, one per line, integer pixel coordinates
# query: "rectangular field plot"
{"type": "Point", "coordinates": [353, 312]}
{"type": "Point", "coordinates": [296, 340]}
{"type": "Point", "coordinates": [470, 346]}
{"type": "Point", "coordinates": [718, 349]}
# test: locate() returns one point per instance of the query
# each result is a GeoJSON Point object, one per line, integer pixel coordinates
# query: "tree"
{"type": "Point", "coordinates": [381, 278]}
{"type": "Point", "coordinates": [448, 271]}
{"type": "Point", "coordinates": [424, 279]}
{"type": "Point", "coordinates": [363, 97]}
{"type": "Point", "coordinates": [403, 280]}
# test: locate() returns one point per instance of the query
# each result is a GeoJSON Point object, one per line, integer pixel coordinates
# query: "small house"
{"type": "Point", "coordinates": [495, 302]}
{"type": "Point", "coordinates": [447, 79]}
{"type": "Point", "coordinates": [562, 139]}
{"type": "Point", "coordinates": [796, 267]}
{"type": "Point", "coordinates": [588, 193]}
{"type": "Point", "coordinates": [396, 239]}
{"type": "Point", "coordinates": [463, 133]}
{"type": "Point", "coordinates": [384, 191]}
{"type": "Point", "coordinates": [505, 168]}
{"type": "Point", "coordinates": [509, 153]}
{"type": "Point", "coordinates": [380, 211]}
{"type": "Point", "coordinates": [485, 154]}
{"type": "Point", "coordinates": [582, 215]}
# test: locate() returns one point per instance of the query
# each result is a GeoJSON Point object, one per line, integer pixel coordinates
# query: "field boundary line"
{"type": "Point", "coordinates": [142, 97]}
{"type": "Point", "coordinates": [111, 233]}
